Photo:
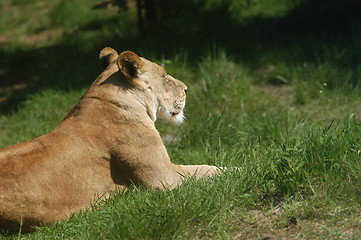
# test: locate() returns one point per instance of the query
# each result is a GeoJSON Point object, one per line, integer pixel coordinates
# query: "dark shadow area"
{"type": "Point", "coordinates": [126, 178]}
{"type": "Point", "coordinates": [313, 31]}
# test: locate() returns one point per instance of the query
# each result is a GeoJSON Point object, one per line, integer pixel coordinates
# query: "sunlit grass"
{"type": "Point", "coordinates": [290, 120]}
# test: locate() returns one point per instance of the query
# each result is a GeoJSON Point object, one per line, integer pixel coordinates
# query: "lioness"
{"type": "Point", "coordinates": [106, 142]}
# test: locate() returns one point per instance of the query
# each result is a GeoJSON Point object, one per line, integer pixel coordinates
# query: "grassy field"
{"type": "Point", "coordinates": [273, 89]}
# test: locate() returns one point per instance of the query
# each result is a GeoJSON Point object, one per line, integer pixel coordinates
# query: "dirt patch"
{"type": "Point", "coordinates": [43, 36]}
{"type": "Point", "coordinates": [32, 39]}
{"type": "Point", "coordinates": [278, 224]}
{"type": "Point", "coordinates": [267, 225]}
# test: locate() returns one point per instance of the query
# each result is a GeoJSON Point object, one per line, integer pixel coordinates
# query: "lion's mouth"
{"type": "Point", "coordinates": [173, 115]}
{"type": "Point", "coordinates": [177, 109]}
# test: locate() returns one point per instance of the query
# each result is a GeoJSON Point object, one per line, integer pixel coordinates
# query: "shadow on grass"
{"type": "Point", "coordinates": [316, 32]}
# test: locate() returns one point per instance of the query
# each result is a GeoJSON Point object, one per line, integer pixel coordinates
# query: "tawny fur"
{"type": "Point", "coordinates": [105, 143]}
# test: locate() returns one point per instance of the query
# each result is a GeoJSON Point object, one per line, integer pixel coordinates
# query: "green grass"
{"type": "Point", "coordinates": [285, 111]}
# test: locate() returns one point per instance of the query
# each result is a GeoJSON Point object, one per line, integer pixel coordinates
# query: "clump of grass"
{"type": "Point", "coordinates": [223, 83]}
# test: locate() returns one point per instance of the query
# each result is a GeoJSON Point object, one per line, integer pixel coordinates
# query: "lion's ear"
{"type": "Point", "coordinates": [106, 56]}
{"type": "Point", "coordinates": [129, 64]}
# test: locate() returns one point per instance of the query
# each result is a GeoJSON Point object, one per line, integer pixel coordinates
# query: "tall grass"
{"type": "Point", "coordinates": [286, 115]}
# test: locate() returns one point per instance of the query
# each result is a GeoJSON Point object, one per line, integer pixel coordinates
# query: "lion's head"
{"type": "Point", "coordinates": [163, 95]}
